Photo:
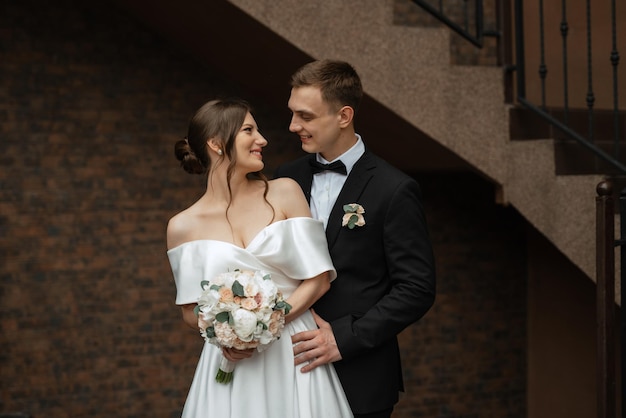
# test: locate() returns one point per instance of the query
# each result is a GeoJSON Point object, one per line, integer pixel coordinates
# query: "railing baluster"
{"type": "Point", "coordinates": [605, 300]}
{"type": "Point", "coordinates": [622, 243]}
{"type": "Point", "coordinates": [564, 33]}
{"type": "Point", "coordinates": [543, 69]}
{"type": "Point", "coordinates": [614, 63]}
{"type": "Point", "coordinates": [465, 16]}
{"type": "Point", "coordinates": [479, 19]}
{"type": "Point", "coordinates": [506, 49]}
{"type": "Point", "coordinates": [520, 61]}
{"type": "Point", "coordinates": [590, 96]}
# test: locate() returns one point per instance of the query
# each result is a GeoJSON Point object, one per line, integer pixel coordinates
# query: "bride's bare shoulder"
{"type": "Point", "coordinates": [181, 226]}
{"type": "Point", "coordinates": [287, 195]}
{"type": "Point", "coordinates": [284, 185]}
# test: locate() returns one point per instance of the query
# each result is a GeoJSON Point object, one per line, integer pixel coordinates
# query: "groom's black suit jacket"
{"type": "Point", "coordinates": [385, 276]}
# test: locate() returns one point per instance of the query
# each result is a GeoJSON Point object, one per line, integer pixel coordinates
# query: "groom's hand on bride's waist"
{"type": "Point", "coordinates": [316, 347]}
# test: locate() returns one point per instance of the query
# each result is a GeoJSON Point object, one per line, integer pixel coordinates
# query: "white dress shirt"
{"type": "Point", "coordinates": [327, 184]}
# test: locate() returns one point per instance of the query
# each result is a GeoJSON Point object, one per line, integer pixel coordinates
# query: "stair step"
{"type": "Point", "coordinates": [571, 157]}
{"type": "Point", "coordinates": [526, 124]}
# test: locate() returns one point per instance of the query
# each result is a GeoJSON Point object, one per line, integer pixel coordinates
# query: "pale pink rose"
{"type": "Point", "coordinates": [226, 294]}
{"type": "Point", "coordinates": [227, 337]}
{"type": "Point", "coordinates": [224, 334]}
{"type": "Point", "coordinates": [277, 320]}
{"type": "Point", "coordinates": [258, 298]}
{"type": "Point", "coordinates": [243, 345]}
{"type": "Point", "coordinates": [249, 304]}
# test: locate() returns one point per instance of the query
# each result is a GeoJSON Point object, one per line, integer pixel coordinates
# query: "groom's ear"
{"type": "Point", "coordinates": [346, 115]}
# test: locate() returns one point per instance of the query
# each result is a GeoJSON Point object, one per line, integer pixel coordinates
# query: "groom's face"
{"type": "Point", "coordinates": [315, 122]}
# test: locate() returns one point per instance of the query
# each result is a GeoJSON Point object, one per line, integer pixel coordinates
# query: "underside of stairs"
{"type": "Point", "coordinates": [462, 108]}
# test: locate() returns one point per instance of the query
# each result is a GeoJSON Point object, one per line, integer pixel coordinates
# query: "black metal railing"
{"type": "Point", "coordinates": [554, 67]}
{"type": "Point", "coordinates": [464, 21]}
{"type": "Point", "coordinates": [543, 104]}
{"type": "Point", "coordinates": [564, 124]}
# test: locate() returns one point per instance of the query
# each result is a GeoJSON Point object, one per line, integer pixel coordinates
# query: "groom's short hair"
{"type": "Point", "coordinates": [338, 82]}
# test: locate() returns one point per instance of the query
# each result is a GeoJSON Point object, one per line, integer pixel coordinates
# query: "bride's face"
{"type": "Point", "coordinates": [249, 144]}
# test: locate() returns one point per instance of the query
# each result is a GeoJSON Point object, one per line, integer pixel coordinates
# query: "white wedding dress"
{"type": "Point", "coordinates": [267, 384]}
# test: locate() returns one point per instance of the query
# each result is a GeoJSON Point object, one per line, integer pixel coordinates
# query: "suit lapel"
{"type": "Point", "coordinates": [352, 190]}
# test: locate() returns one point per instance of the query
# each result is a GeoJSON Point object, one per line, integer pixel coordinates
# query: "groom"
{"type": "Point", "coordinates": [377, 237]}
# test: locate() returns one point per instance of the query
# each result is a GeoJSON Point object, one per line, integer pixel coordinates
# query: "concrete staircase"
{"type": "Point", "coordinates": [408, 70]}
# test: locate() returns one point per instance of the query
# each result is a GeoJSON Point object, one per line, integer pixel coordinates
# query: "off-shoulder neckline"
{"type": "Point", "coordinates": [258, 234]}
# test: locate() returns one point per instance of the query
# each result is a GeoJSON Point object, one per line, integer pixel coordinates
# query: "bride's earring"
{"type": "Point", "coordinates": [219, 152]}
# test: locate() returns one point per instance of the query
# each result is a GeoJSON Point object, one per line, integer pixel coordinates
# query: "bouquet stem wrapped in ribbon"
{"type": "Point", "coordinates": [241, 309]}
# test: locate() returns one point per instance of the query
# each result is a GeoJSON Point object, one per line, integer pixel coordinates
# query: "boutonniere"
{"type": "Point", "coordinates": [353, 215]}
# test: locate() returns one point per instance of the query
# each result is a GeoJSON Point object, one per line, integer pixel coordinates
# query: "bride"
{"type": "Point", "coordinates": [245, 222]}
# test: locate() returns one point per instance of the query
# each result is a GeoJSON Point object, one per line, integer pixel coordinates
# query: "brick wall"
{"type": "Point", "coordinates": [467, 356]}
{"type": "Point", "coordinates": [91, 104]}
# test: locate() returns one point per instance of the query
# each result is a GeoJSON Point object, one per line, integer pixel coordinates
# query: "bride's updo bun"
{"type": "Point", "coordinates": [187, 158]}
{"type": "Point", "coordinates": [217, 120]}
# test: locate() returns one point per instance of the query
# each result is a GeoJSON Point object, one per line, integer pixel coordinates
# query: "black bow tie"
{"type": "Point", "coordinates": [336, 166]}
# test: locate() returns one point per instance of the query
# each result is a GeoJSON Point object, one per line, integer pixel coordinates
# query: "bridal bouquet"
{"type": "Point", "coordinates": [240, 309]}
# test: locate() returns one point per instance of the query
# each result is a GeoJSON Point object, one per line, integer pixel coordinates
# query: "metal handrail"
{"type": "Point", "coordinates": [476, 38]}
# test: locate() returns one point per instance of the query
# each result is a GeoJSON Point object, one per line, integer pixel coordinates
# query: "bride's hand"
{"type": "Point", "coordinates": [234, 355]}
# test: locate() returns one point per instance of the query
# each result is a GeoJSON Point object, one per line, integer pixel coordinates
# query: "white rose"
{"type": "Point", "coordinates": [203, 323]}
{"type": "Point", "coordinates": [251, 289]}
{"type": "Point", "coordinates": [268, 292]}
{"type": "Point", "coordinates": [208, 299]}
{"type": "Point", "coordinates": [244, 324]}
{"type": "Point", "coordinates": [263, 314]}
{"type": "Point", "coordinates": [265, 338]}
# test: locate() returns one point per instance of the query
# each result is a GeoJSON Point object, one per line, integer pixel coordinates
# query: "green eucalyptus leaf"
{"type": "Point", "coordinates": [215, 287]}
{"type": "Point", "coordinates": [204, 283]}
{"type": "Point", "coordinates": [196, 310]}
{"type": "Point", "coordinates": [238, 289]}
{"type": "Point", "coordinates": [347, 208]}
{"type": "Point", "coordinates": [210, 332]}
{"type": "Point", "coordinates": [222, 316]}
{"type": "Point", "coordinates": [352, 222]}
{"type": "Point", "coordinates": [284, 306]}
{"type": "Point", "coordinates": [267, 277]}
